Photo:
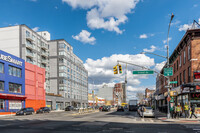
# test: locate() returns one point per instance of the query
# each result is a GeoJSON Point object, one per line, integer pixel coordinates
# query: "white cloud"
{"type": "Point", "coordinates": [102, 14]}
{"type": "Point", "coordinates": [153, 48]}
{"type": "Point", "coordinates": [33, 0]}
{"type": "Point", "coordinates": [165, 41]}
{"type": "Point", "coordinates": [185, 27]}
{"type": "Point", "coordinates": [56, 7]}
{"type": "Point", "coordinates": [84, 36]}
{"type": "Point", "coordinates": [35, 29]}
{"type": "Point", "coordinates": [143, 36]}
{"type": "Point", "coordinates": [195, 5]}
{"type": "Point", "coordinates": [159, 66]}
{"type": "Point", "coordinates": [101, 70]}
{"type": "Point", "coordinates": [176, 22]}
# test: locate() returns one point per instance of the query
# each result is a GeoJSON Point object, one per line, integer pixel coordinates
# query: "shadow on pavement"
{"type": "Point", "coordinates": [52, 126]}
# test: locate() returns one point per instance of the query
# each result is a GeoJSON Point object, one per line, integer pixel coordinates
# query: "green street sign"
{"type": "Point", "coordinates": [143, 72]}
{"type": "Point", "coordinates": [168, 71]}
{"type": "Point", "coordinates": [173, 82]}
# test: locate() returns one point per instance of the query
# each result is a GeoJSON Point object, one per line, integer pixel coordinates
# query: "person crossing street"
{"type": "Point", "coordinates": [186, 110]}
{"type": "Point", "coordinates": [178, 110]}
{"type": "Point", "coordinates": [193, 111]}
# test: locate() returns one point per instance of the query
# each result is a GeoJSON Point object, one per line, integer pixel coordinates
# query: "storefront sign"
{"type": "Point", "coordinates": [196, 76]}
{"type": "Point", "coordinates": [173, 93]}
{"type": "Point", "coordinates": [10, 59]}
{"type": "Point", "coordinates": [195, 96]}
{"type": "Point", "coordinates": [186, 90]}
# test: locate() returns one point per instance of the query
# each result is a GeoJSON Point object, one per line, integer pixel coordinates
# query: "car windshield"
{"type": "Point", "coordinates": [148, 108]}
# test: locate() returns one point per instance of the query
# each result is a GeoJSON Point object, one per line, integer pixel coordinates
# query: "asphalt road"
{"type": "Point", "coordinates": [99, 122]}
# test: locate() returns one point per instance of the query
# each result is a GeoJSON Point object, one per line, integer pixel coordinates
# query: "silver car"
{"type": "Point", "coordinates": [147, 112]}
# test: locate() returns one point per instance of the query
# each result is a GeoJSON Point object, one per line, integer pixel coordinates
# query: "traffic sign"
{"type": "Point", "coordinates": [168, 86]}
{"type": "Point", "coordinates": [143, 72]}
{"type": "Point", "coordinates": [168, 71]}
{"type": "Point", "coordinates": [173, 82]}
{"type": "Point", "coordinates": [168, 99]}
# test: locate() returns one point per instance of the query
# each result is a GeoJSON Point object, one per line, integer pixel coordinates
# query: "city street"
{"type": "Point", "coordinates": [106, 122]}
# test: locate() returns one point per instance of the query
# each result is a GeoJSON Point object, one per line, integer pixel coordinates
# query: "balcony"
{"type": "Point", "coordinates": [44, 54]}
{"type": "Point", "coordinates": [44, 46]}
{"type": "Point", "coordinates": [29, 38]}
{"type": "Point", "coordinates": [29, 45]}
{"type": "Point", "coordinates": [30, 54]}
{"type": "Point", "coordinates": [45, 61]}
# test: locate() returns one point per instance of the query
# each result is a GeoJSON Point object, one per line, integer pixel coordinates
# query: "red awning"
{"type": "Point", "coordinates": [12, 96]}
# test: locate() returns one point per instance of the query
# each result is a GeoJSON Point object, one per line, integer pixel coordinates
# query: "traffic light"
{"type": "Point", "coordinates": [120, 68]}
{"type": "Point", "coordinates": [115, 69]}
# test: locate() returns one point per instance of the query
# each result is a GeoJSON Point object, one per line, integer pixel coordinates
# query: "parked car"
{"type": "Point", "coordinates": [25, 111]}
{"type": "Point", "coordinates": [148, 111]}
{"type": "Point", "coordinates": [43, 110]}
{"type": "Point", "coordinates": [69, 108]}
{"type": "Point", "coordinates": [120, 108]}
{"type": "Point", "coordinates": [105, 108]}
{"type": "Point", "coordinates": [100, 108]}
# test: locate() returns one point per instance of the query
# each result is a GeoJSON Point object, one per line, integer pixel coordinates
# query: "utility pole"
{"type": "Point", "coordinates": [168, 80]}
{"type": "Point", "coordinates": [125, 85]}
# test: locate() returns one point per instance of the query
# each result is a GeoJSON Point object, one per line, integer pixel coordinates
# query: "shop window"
{"type": "Point", "coordinates": [15, 104]}
{"type": "Point", "coordinates": [1, 68]}
{"type": "Point", "coordinates": [13, 71]}
{"type": "Point", "coordinates": [1, 86]}
{"type": "Point", "coordinates": [15, 88]}
{"type": "Point", "coordinates": [2, 104]}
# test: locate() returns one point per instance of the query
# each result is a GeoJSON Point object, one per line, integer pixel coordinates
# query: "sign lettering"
{"type": "Point", "coordinates": [10, 59]}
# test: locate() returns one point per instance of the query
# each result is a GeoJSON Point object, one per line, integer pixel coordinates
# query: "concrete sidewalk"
{"type": "Point", "coordinates": [163, 117]}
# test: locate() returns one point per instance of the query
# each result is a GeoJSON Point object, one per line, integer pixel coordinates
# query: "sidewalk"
{"type": "Point", "coordinates": [163, 117]}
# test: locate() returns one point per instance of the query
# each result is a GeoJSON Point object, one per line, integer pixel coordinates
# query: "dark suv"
{"type": "Point", "coordinates": [69, 108]}
{"type": "Point", "coordinates": [25, 111]}
{"type": "Point", "coordinates": [43, 110]}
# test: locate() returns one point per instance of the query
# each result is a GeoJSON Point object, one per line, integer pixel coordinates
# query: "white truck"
{"type": "Point", "coordinates": [132, 105]}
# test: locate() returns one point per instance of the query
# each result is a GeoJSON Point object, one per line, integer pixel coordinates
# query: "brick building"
{"type": "Point", "coordinates": [185, 61]}
{"type": "Point", "coordinates": [119, 94]}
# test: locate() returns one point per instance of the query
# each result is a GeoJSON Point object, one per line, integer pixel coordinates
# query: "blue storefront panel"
{"type": "Point", "coordinates": [12, 82]}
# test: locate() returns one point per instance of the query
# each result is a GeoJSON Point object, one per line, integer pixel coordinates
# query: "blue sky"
{"type": "Point", "coordinates": [138, 24]}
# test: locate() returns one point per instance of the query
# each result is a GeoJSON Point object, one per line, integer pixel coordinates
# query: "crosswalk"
{"type": "Point", "coordinates": [194, 127]}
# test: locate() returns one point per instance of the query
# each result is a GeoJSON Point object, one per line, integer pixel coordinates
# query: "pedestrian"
{"type": "Point", "coordinates": [178, 110]}
{"type": "Point", "coordinates": [193, 111]}
{"type": "Point", "coordinates": [143, 109]}
{"type": "Point", "coordinates": [172, 111]}
{"type": "Point", "coordinates": [186, 110]}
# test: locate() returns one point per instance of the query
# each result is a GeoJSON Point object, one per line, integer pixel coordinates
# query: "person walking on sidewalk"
{"type": "Point", "coordinates": [143, 109]}
{"type": "Point", "coordinates": [178, 110]}
{"type": "Point", "coordinates": [172, 111]}
{"type": "Point", "coordinates": [186, 110]}
{"type": "Point", "coordinates": [193, 111]}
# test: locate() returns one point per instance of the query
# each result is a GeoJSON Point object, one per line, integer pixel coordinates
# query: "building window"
{"type": "Point", "coordinates": [189, 74]}
{"type": "Point", "coordinates": [188, 52]}
{"type": "Point", "coordinates": [177, 81]}
{"type": "Point", "coordinates": [15, 88]}
{"type": "Point", "coordinates": [180, 61]}
{"type": "Point", "coordinates": [184, 76]}
{"type": "Point", "coordinates": [15, 104]}
{"type": "Point", "coordinates": [13, 71]}
{"type": "Point", "coordinates": [184, 57]}
{"type": "Point", "coordinates": [180, 78]}
{"type": "Point", "coordinates": [1, 86]}
{"type": "Point", "coordinates": [174, 68]}
{"type": "Point", "coordinates": [27, 34]}
{"type": "Point", "coordinates": [1, 104]}
{"type": "Point", "coordinates": [62, 81]}
{"type": "Point", "coordinates": [1, 68]}
{"type": "Point", "coordinates": [177, 64]}
{"type": "Point", "coordinates": [62, 45]}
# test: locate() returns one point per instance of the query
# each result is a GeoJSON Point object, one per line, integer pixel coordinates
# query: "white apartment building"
{"type": "Point", "coordinates": [67, 74]}
{"type": "Point", "coordinates": [27, 44]}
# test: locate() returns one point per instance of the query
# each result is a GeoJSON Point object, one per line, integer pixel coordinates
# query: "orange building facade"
{"type": "Point", "coordinates": [35, 86]}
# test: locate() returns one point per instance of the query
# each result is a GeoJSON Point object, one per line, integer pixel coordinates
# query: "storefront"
{"type": "Point", "coordinates": [12, 83]}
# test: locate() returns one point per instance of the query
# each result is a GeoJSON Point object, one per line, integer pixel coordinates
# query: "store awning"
{"type": "Point", "coordinates": [12, 96]}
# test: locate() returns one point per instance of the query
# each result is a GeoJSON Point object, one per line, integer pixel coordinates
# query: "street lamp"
{"type": "Point", "coordinates": [92, 91]}
{"type": "Point", "coordinates": [168, 80]}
